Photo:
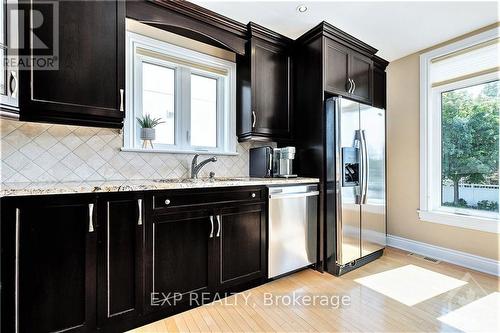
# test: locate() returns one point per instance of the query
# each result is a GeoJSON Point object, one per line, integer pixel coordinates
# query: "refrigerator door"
{"type": "Point", "coordinates": [348, 192]}
{"type": "Point", "coordinates": [373, 226]}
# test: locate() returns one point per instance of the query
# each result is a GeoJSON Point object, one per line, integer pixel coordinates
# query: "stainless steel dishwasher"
{"type": "Point", "coordinates": [293, 225]}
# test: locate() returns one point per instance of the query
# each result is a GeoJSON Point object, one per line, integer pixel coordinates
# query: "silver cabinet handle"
{"type": "Point", "coordinates": [139, 204]}
{"type": "Point", "coordinates": [349, 85]}
{"type": "Point", "coordinates": [16, 273]}
{"type": "Point", "coordinates": [121, 100]}
{"type": "Point", "coordinates": [167, 202]}
{"type": "Point", "coordinates": [218, 226]}
{"type": "Point", "coordinates": [353, 86]}
{"type": "Point", "coordinates": [254, 116]}
{"type": "Point", "coordinates": [211, 227]}
{"type": "Point", "coordinates": [91, 217]}
{"type": "Point", "coordinates": [13, 86]}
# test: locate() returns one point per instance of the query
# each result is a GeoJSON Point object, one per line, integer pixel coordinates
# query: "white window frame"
{"type": "Point", "coordinates": [226, 96]}
{"type": "Point", "coordinates": [430, 143]}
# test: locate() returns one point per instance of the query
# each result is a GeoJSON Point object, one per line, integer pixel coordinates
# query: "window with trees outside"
{"type": "Point", "coordinates": [460, 127]}
{"type": "Point", "coordinates": [190, 94]}
{"type": "Point", "coordinates": [469, 147]}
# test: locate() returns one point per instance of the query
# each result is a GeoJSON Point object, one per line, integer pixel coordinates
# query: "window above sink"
{"type": "Point", "coordinates": [193, 93]}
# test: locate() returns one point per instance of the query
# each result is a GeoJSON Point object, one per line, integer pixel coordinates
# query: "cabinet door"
{"type": "Point", "coordinates": [120, 280]}
{"type": "Point", "coordinates": [3, 51]}
{"type": "Point", "coordinates": [241, 238]}
{"type": "Point", "coordinates": [181, 259]}
{"type": "Point", "coordinates": [336, 68]}
{"type": "Point", "coordinates": [360, 72]}
{"type": "Point", "coordinates": [270, 90]}
{"type": "Point", "coordinates": [55, 267]}
{"type": "Point", "coordinates": [9, 74]}
{"type": "Point", "coordinates": [87, 77]}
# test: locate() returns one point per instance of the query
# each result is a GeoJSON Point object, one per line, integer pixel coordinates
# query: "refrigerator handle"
{"type": "Point", "coordinates": [358, 144]}
{"type": "Point", "coordinates": [364, 167]}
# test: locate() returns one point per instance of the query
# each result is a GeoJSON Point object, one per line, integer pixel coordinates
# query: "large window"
{"type": "Point", "coordinates": [192, 93]}
{"type": "Point", "coordinates": [469, 148]}
{"type": "Point", "coordinates": [460, 126]}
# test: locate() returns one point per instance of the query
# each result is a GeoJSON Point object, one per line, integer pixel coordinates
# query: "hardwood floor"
{"type": "Point", "coordinates": [368, 310]}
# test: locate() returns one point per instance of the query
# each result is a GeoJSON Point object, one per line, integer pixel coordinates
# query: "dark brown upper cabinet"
{"type": "Point", "coordinates": [85, 41]}
{"type": "Point", "coordinates": [347, 72]}
{"type": "Point", "coordinates": [336, 68]}
{"type": "Point", "coordinates": [9, 73]}
{"type": "Point", "coordinates": [263, 87]}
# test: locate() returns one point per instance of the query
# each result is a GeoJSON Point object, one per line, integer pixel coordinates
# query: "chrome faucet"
{"type": "Point", "coordinates": [196, 167]}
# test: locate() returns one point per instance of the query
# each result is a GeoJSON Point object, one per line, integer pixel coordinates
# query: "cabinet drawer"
{"type": "Point", "coordinates": [182, 198]}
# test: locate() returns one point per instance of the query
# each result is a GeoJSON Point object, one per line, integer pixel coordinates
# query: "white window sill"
{"type": "Point", "coordinates": [462, 221]}
{"type": "Point", "coordinates": [171, 151]}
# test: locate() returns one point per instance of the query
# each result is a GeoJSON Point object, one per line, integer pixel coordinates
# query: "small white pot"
{"type": "Point", "coordinates": [148, 134]}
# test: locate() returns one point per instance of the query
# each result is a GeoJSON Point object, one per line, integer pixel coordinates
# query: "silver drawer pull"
{"type": "Point", "coordinates": [91, 217]}
{"type": "Point", "coordinates": [253, 195]}
{"type": "Point", "coordinates": [121, 100]}
{"type": "Point", "coordinates": [139, 219]}
{"type": "Point", "coordinates": [218, 226]}
{"type": "Point", "coordinates": [167, 202]}
{"type": "Point", "coordinates": [211, 227]}
{"type": "Point", "coordinates": [13, 86]}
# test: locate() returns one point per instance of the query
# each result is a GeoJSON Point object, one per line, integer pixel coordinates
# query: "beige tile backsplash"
{"type": "Point", "coordinates": [33, 152]}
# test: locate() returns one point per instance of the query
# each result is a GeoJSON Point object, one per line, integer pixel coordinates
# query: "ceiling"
{"type": "Point", "coordinates": [395, 28]}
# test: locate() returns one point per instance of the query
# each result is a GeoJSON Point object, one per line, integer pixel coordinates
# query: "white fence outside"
{"type": "Point", "coordinates": [472, 193]}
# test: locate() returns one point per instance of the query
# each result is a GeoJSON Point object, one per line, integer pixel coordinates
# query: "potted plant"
{"type": "Point", "coordinates": [148, 125]}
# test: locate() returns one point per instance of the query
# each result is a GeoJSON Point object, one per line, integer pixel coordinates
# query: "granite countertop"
{"type": "Point", "coordinates": [20, 189]}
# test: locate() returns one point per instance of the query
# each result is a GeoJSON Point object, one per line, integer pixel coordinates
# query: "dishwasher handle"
{"type": "Point", "coordinates": [294, 195]}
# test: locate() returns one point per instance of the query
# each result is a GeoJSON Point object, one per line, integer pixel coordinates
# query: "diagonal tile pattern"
{"type": "Point", "coordinates": [32, 152]}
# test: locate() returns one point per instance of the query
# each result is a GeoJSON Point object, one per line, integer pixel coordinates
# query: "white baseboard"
{"type": "Point", "coordinates": [459, 258]}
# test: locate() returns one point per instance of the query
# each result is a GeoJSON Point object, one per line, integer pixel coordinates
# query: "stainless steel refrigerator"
{"type": "Point", "coordinates": [360, 188]}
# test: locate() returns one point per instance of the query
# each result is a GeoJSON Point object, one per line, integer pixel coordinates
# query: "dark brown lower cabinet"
{"type": "Point", "coordinates": [203, 251]}
{"type": "Point", "coordinates": [110, 262]}
{"type": "Point", "coordinates": [242, 244]}
{"type": "Point", "coordinates": [181, 260]}
{"type": "Point", "coordinates": [48, 265]}
{"type": "Point", "coordinates": [120, 291]}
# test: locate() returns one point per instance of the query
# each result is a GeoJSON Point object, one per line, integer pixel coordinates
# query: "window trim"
{"type": "Point", "coordinates": [226, 108]}
{"type": "Point", "coordinates": [430, 152]}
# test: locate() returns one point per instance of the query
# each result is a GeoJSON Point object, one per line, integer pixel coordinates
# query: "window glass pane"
{"type": "Point", "coordinates": [158, 99]}
{"type": "Point", "coordinates": [203, 111]}
{"type": "Point", "coordinates": [470, 130]}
